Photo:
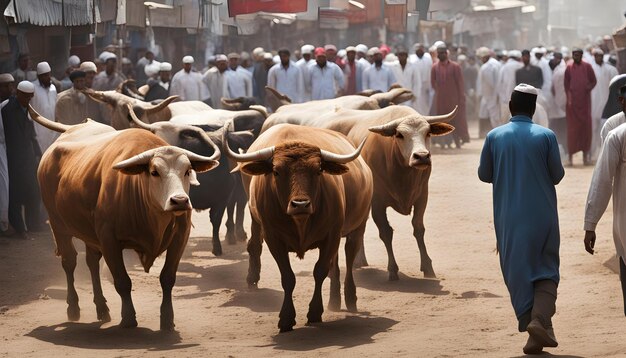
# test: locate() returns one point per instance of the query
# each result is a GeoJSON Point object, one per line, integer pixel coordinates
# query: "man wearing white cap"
{"type": "Point", "coordinates": [215, 80]}
{"type": "Point", "coordinates": [72, 64]}
{"type": "Point", "coordinates": [7, 83]}
{"type": "Point", "coordinates": [187, 84]}
{"type": "Point", "coordinates": [424, 64]}
{"type": "Point", "coordinates": [6, 91]}
{"type": "Point", "coordinates": [238, 80]}
{"type": "Point", "coordinates": [44, 102]}
{"type": "Point", "coordinates": [23, 155]}
{"type": "Point", "coordinates": [487, 87]}
{"type": "Point", "coordinates": [378, 77]}
{"type": "Point", "coordinates": [159, 88]}
{"type": "Point", "coordinates": [303, 64]}
{"type": "Point", "coordinates": [506, 80]}
{"type": "Point", "coordinates": [361, 55]}
{"type": "Point", "coordinates": [599, 95]}
{"type": "Point", "coordinates": [525, 156]}
{"type": "Point", "coordinates": [108, 79]}
{"type": "Point", "coordinates": [286, 77]}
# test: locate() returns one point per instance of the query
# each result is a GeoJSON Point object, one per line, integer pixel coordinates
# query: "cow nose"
{"type": "Point", "coordinates": [420, 159]}
{"type": "Point", "coordinates": [421, 156]}
{"type": "Point", "coordinates": [179, 200]}
{"type": "Point", "coordinates": [300, 204]}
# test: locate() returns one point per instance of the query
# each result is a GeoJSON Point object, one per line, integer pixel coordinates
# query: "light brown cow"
{"type": "Point", "coordinates": [303, 196]}
{"type": "Point", "coordinates": [399, 157]}
{"type": "Point", "coordinates": [146, 111]}
{"type": "Point", "coordinates": [118, 190]}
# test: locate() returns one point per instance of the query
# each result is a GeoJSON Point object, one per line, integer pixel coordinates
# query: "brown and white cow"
{"type": "Point", "coordinates": [118, 190]}
{"type": "Point", "coordinates": [399, 157]}
{"type": "Point", "coordinates": [302, 196]}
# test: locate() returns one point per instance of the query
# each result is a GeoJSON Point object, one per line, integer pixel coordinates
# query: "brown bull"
{"type": "Point", "coordinates": [118, 190]}
{"type": "Point", "coordinates": [302, 197]}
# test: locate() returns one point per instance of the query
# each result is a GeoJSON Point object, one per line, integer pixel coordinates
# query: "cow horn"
{"type": "Point", "coordinates": [99, 96]}
{"type": "Point", "coordinates": [342, 158]}
{"type": "Point", "coordinates": [201, 158]}
{"type": "Point", "coordinates": [141, 158]}
{"type": "Point", "coordinates": [262, 154]}
{"type": "Point", "coordinates": [216, 155]}
{"type": "Point", "coordinates": [55, 126]}
{"type": "Point", "coordinates": [387, 129]}
{"type": "Point", "coordinates": [278, 95]}
{"type": "Point", "coordinates": [160, 106]}
{"type": "Point", "coordinates": [443, 118]}
{"type": "Point", "coordinates": [138, 122]}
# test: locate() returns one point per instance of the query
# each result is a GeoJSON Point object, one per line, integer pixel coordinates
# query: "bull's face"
{"type": "Point", "coordinates": [411, 137]}
{"type": "Point", "coordinates": [168, 172]}
{"type": "Point", "coordinates": [295, 170]}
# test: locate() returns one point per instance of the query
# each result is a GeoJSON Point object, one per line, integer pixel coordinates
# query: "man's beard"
{"type": "Point", "coordinates": [46, 85]}
{"type": "Point", "coordinates": [378, 63]}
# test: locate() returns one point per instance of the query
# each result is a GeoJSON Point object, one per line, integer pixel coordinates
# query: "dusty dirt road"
{"type": "Point", "coordinates": [465, 312]}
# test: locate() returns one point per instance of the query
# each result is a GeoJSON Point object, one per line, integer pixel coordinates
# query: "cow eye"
{"type": "Point", "coordinates": [399, 135]}
{"type": "Point", "coordinates": [188, 172]}
{"type": "Point", "coordinates": [154, 173]}
{"type": "Point", "coordinates": [275, 173]}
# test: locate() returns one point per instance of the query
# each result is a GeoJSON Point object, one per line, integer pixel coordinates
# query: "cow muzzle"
{"type": "Point", "coordinates": [178, 204]}
{"type": "Point", "coordinates": [300, 206]}
{"type": "Point", "coordinates": [420, 160]}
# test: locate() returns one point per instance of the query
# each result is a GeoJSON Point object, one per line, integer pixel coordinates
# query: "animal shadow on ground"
{"type": "Point", "coordinates": [91, 336]}
{"type": "Point", "coordinates": [351, 331]}
{"type": "Point", "coordinates": [546, 354]}
{"type": "Point", "coordinates": [258, 300]}
{"type": "Point", "coordinates": [377, 280]}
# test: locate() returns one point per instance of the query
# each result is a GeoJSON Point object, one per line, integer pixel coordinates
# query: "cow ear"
{"type": "Point", "coordinates": [133, 169]}
{"type": "Point", "coordinates": [333, 168]}
{"type": "Point", "coordinates": [437, 129]}
{"type": "Point", "coordinates": [204, 166]}
{"type": "Point", "coordinates": [193, 178]}
{"type": "Point", "coordinates": [260, 167]}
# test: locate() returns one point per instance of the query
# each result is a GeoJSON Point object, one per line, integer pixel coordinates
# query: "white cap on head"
{"type": "Point", "coordinates": [88, 66]}
{"type": "Point", "coordinates": [372, 51]}
{"type": "Point", "coordinates": [307, 49]}
{"type": "Point", "coordinates": [268, 56]}
{"type": "Point", "coordinates": [482, 52]}
{"type": "Point", "coordinates": [515, 54]}
{"type": "Point", "coordinates": [26, 87]}
{"type": "Point", "coordinates": [73, 61]}
{"type": "Point", "coordinates": [439, 44]}
{"type": "Point", "coordinates": [126, 61]}
{"type": "Point", "coordinates": [597, 51]}
{"type": "Point", "coordinates": [6, 78]}
{"type": "Point", "coordinates": [461, 58]}
{"type": "Point", "coordinates": [152, 69]}
{"type": "Point", "coordinates": [188, 59]}
{"type": "Point", "coordinates": [221, 58]}
{"type": "Point", "coordinates": [341, 53]}
{"type": "Point", "coordinates": [524, 88]}
{"type": "Point", "coordinates": [106, 55]}
{"type": "Point", "coordinates": [165, 66]}
{"type": "Point", "coordinates": [259, 51]}
{"type": "Point", "coordinates": [361, 48]}
{"type": "Point", "coordinates": [43, 67]}
{"type": "Point", "coordinates": [276, 59]}
{"type": "Point", "coordinates": [542, 50]}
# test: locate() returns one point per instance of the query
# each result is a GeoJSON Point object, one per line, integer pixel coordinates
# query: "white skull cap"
{"type": "Point", "coordinates": [524, 88]}
{"type": "Point", "coordinates": [26, 87]}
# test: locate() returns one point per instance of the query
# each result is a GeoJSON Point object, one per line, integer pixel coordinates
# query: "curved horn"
{"type": "Point", "coordinates": [201, 158]}
{"type": "Point", "coordinates": [260, 109]}
{"type": "Point", "coordinates": [141, 158]}
{"type": "Point", "coordinates": [217, 154]}
{"type": "Point", "coordinates": [125, 83]}
{"type": "Point", "coordinates": [99, 96]}
{"type": "Point", "coordinates": [160, 106]}
{"type": "Point", "coordinates": [443, 118]}
{"type": "Point", "coordinates": [387, 129]}
{"type": "Point", "coordinates": [342, 158]}
{"type": "Point", "coordinates": [55, 126]}
{"type": "Point", "coordinates": [138, 122]}
{"type": "Point", "coordinates": [262, 154]}
{"type": "Point", "coordinates": [278, 94]}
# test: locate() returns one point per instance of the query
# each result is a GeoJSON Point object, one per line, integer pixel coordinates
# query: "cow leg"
{"type": "Point", "coordinates": [241, 201]}
{"type": "Point", "coordinates": [360, 260]}
{"type": "Point", "coordinates": [287, 316]}
{"type": "Point", "coordinates": [168, 274]}
{"type": "Point", "coordinates": [328, 253]}
{"type": "Point", "coordinates": [93, 262]}
{"type": "Point", "coordinates": [216, 215]}
{"type": "Point", "coordinates": [112, 252]}
{"type": "Point", "coordinates": [231, 239]}
{"type": "Point", "coordinates": [426, 265]}
{"type": "Point", "coordinates": [353, 245]}
{"type": "Point", "coordinates": [255, 247]}
{"type": "Point", "coordinates": [65, 247]}
{"type": "Point", "coordinates": [385, 232]}
{"type": "Point", "coordinates": [334, 302]}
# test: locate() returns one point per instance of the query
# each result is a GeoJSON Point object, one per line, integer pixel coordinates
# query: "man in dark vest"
{"type": "Point", "coordinates": [23, 155]}
{"type": "Point", "coordinates": [160, 87]}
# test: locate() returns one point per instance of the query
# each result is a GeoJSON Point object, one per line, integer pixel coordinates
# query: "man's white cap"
{"type": "Point", "coordinates": [361, 48]}
{"type": "Point", "coordinates": [26, 87]}
{"type": "Point", "coordinates": [542, 50]}
{"type": "Point", "coordinates": [341, 53]}
{"type": "Point", "coordinates": [352, 49]}
{"type": "Point", "coordinates": [259, 51]}
{"type": "Point", "coordinates": [43, 67]}
{"type": "Point", "coordinates": [307, 49]}
{"type": "Point", "coordinates": [188, 59]}
{"type": "Point", "coordinates": [515, 54]}
{"type": "Point", "coordinates": [524, 88]}
{"type": "Point", "coordinates": [126, 61]}
{"type": "Point", "coordinates": [372, 51]}
{"type": "Point", "coordinates": [106, 55]}
{"type": "Point", "coordinates": [73, 61]}
{"type": "Point", "coordinates": [482, 52]}
{"type": "Point", "coordinates": [221, 57]}
{"type": "Point", "coordinates": [276, 59]}
{"type": "Point", "coordinates": [461, 58]}
{"type": "Point", "coordinates": [438, 44]}
{"type": "Point", "coordinates": [597, 51]}
{"type": "Point", "coordinates": [6, 78]}
{"type": "Point", "coordinates": [88, 66]}
{"type": "Point", "coordinates": [165, 66]}
{"type": "Point", "coordinates": [268, 56]}
{"type": "Point", "coordinates": [152, 69]}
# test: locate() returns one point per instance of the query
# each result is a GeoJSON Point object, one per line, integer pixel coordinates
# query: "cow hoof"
{"type": "Point", "coordinates": [128, 323]}
{"type": "Point", "coordinates": [217, 250]}
{"type": "Point", "coordinates": [73, 313]}
{"type": "Point", "coordinates": [393, 276]}
{"type": "Point", "coordinates": [253, 286]}
{"type": "Point", "coordinates": [242, 236]}
{"type": "Point", "coordinates": [167, 326]}
{"type": "Point", "coordinates": [231, 239]}
{"type": "Point", "coordinates": [430, 274]}
{"type": "Point", "coordinates": [428, 271]}
{"type": "Point", "coordinates": [104, 316]}
{"type": "Point", "coordinates": [286, 326]}
{"type": "Point", "coordinates": [313, 318]}
{"type": "Point", "coordinates": [285, 329]}
{"type": "Point", "coordinates": [351, 307]}
{"type": "Point", "coordinates": [334, 305]}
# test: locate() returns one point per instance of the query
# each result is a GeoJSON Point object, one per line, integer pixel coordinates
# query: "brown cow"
{"type": "Point", "coordinates": [118, 190]}
{"type": "Point", "coordinates": [302, 197]}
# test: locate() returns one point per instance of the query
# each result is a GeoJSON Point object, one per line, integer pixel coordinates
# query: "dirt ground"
{"type": "Point", "coordinates": [465, 312]}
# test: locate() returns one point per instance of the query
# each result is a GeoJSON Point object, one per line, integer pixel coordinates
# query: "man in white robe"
{"type": "Point", "coordinates": [424, 64]}
{"type": "Point", "coordinates": [378, 77]}
{"type": "Point", "coordinates": [506, 81]}
{"type": "Point", "coordinates": [303, 64]}
{"type": "Point", "coordinates": [215, 80]}
{"type": "Point", "coordinates": [408, 76]}
{"type": "Point", "coordinates": [325, 77]}
{"type": "Point", "coordinates": [286, 77]}
{"type": "Point", "coordinates": [599, 95]}
{"type": "Point", "coordinates": [187, 84]}
{"type": "Point", "coordinates": [238, 80]}
{"type": "Point", "coordinates": [617, 119]}
{"type": "Point", "coordinates": [487, 87]}
{"type": "Point", "coordinates": [609, 179]}
{"type": "Point", "coordinates": [44, 102]}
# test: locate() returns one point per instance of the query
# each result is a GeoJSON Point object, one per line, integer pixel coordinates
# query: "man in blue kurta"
{"type": "Point", "coordinates": [522, 161]}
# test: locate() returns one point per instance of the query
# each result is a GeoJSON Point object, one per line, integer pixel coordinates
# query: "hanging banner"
{"type": "Point", "coordinates": [239, 7]}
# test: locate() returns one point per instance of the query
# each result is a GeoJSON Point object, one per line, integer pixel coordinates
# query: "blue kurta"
{"type": "Point", "coordinates": [522, 161]}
